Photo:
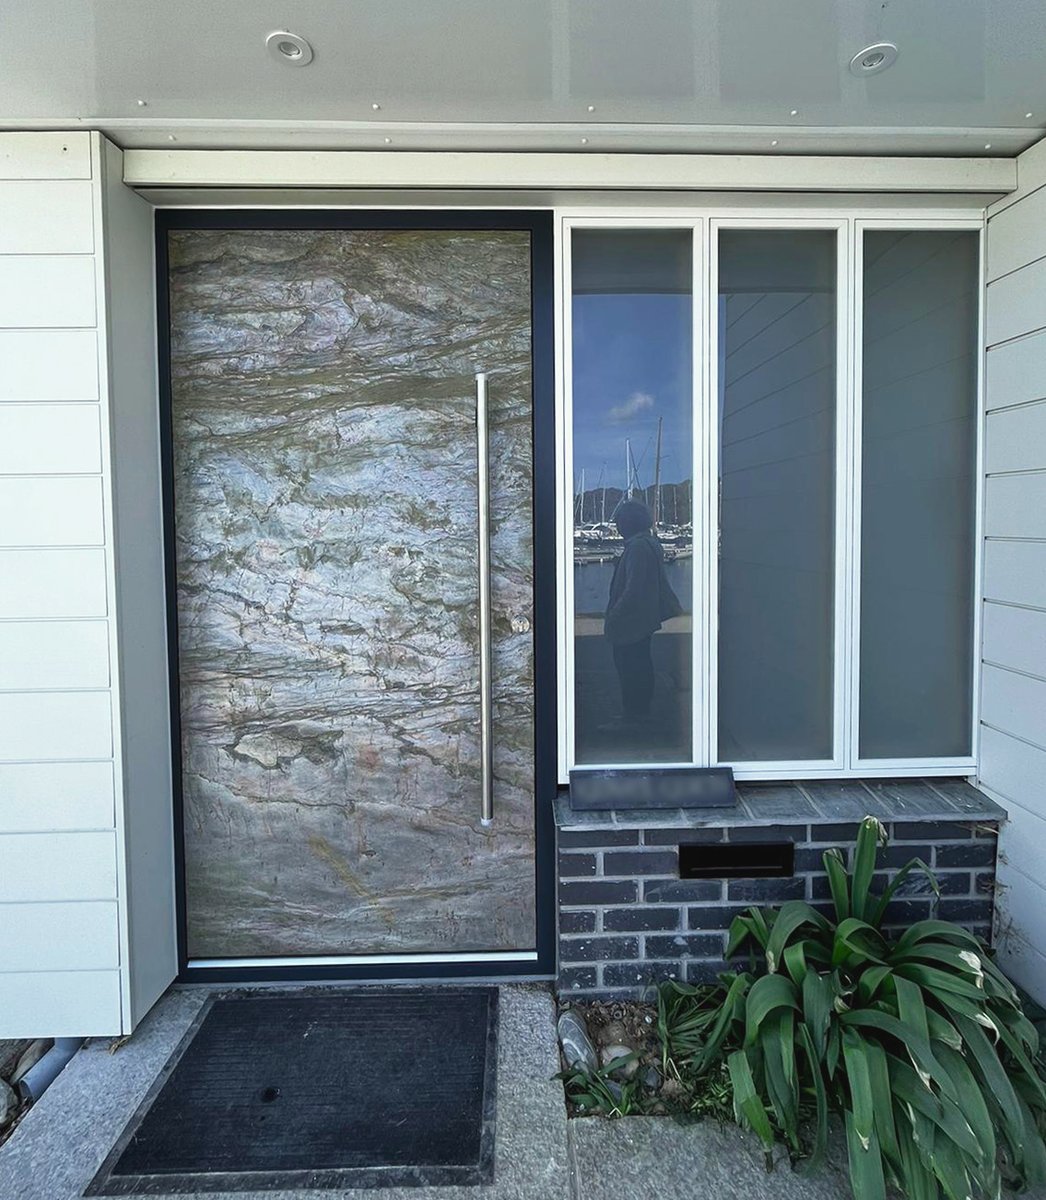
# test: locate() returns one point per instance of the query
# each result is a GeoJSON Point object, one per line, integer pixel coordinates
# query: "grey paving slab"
{"type": "Point", "coordinates": [58, 1147]}
{"type": "Point", "coordinates": [652, 1158]}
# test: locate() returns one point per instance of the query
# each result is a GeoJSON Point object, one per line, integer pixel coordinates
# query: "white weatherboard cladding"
{"type": "Point", "coordinates": [1013, 700]}
{"type": "Point", "coordinates": [70, 302]}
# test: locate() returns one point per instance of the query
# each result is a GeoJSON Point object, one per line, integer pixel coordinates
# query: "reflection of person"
{"type": "Point", "coordinates": [641, 598]}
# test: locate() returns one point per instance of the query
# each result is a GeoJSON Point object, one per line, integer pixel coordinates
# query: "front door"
{"type": "Point", "coordinates": [326, 582]}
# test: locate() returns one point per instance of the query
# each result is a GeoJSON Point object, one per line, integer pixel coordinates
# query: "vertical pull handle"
{"type": "Point", "coordinates": [483, 537]}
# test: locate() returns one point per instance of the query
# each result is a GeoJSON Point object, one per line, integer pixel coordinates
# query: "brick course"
{"type": "Point", "coordinates": [627, 920]}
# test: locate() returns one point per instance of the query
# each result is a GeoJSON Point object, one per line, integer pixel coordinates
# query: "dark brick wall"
{"type": "Point", "coordinates": [626, 919]}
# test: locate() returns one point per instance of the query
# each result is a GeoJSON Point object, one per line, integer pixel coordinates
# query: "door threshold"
{"type": "Point", "coordinates": [362, 960]}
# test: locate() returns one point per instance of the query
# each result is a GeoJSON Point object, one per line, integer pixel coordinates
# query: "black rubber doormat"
{"type": "Point", "coordinates": [318, 1089]}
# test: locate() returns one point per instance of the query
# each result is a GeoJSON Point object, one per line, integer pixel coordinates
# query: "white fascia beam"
{"type": "Point", "coordinates": [633, 172]}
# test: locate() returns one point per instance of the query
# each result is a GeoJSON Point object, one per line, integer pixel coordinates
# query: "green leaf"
{"type": "Point", "coordinates": [855, 1058]}
{"type": "Point", "coordinates": [793, 915]}
{"type": "Point", "coordinates": [817, 1010]}
{"type": "Point", "coordinates": [866, 1164]}
{"type": "Point", "coordinates": [820, 1099]}
{"type": "Point", "coordinates": [882, 1100]}
{"type": "Point", "coordinates": [944, 931]}
{"type": "Point", "coordinates": [933, 980]}
{"type": "Point", "coordinates": [856, 937]}
{"type": "Point", "coordinates": [768, 993]}
{"type": "Point", "coordinates": [910, 1007]}
{"type": "Point", "coordinates": [869, 836]}
{"type": "Point", "coordinates": [838, 882]}
{"type": "Point", "coordinates": [871, 980]}
{"type": "Point", "coordinates": [748, 1105]}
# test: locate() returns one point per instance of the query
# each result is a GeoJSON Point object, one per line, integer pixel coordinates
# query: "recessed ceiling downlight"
{"type": "Point", "coordinates": [289, 48]}
{"type": "Point", "coordinates": [873, 59]}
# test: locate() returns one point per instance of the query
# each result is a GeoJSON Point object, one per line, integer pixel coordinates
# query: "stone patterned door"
{"type": "Point", "coordinates": [324, 457]}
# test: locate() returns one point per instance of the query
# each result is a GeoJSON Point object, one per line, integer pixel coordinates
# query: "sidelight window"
{"type": "Point", "coordinates": [785, 415]}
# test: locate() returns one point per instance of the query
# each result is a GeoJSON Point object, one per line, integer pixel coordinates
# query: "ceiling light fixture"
{"type": "Point", "coordinates": [289, 48]}
{"type": "Point", "coordinates": [987, 145]}
{"type": "Point", "coordinates": [794, 112]}
{"type": "Point", "coordinates": [874, 59]}
{"type": "Point", "coordinates": [774, 142]}
{"type": "Point", "coordinates": [1028, 116]}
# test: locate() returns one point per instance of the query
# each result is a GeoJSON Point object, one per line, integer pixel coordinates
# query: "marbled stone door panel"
{"type": "Point", "coordinates": [323, 411]}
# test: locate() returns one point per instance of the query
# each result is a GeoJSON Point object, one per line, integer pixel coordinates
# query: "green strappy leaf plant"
{"type": "Point", "coordinates": [917, 1041]}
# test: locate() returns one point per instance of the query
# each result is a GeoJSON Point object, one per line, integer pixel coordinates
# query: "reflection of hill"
{"type": "Point", "coordinates": [597, 505]}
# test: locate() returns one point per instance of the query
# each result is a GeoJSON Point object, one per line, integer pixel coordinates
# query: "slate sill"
{"type": "Point", "coordinates": [824, 802]}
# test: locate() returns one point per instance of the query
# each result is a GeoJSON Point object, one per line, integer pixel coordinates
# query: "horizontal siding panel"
{"type": "Point", "coordinates": [1017, 236]}
{"type": "Point", "coordinates": [55, 797]}
{"type": "Point", "coordinates": [49, 726]}
{"type": "Point", "coordinates": [1015, 572]}
{"type": "Point", "coordinates": [1016, 304]}
{"type": "Point", "coordinates": [51, 512]}
{"type": "Point", "coordinates": [54, 654]}
{"type": "Point", "coordinates": [1020, 936]}
{"type": "Point", "coordinates": [1014, 770]}
{"type": "Point", "coordinates": [48, 364]}
{"type": "Point", "coordinates": [52, 583]}
{"type": "Point", "coordinates": [1015, 506]}
{"type": "Point", "coordinates": [46, 218]}
{"type": "Point", "coordinates": [45, 155]}
{"type": "Point", "coordinates": [47, 291]}
{"type": "Point", "coordinates": [1016, 372]}
{"type": "Point", "coordinates": [1015, 704]}
{"type": "Point", "coordinates": [1015, 638]}
{"type": "Point", "coordinates": [42, 439]}
{"type": "Point", "coordinates": [57, 866]}
{"type": "Point", "coordinates": [60, 937]}
{"type": "Point", "coordinates": [1016, 439]}
{"type": "Point", "coordinates": [60, 1004]}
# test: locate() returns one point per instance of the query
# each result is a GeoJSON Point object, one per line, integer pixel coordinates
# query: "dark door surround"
{"type": "Point", "coordinates": [540, 226]}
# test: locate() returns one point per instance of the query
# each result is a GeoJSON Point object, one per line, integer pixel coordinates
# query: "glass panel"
{"type": "Point", "coordinates": [324, 430]}
{"type": "Point", "coordinates": [918, 492]}
{"type": "Point", "coordinates": [777, 398]}
{"type": "Point", "coordinates": [633, 486]}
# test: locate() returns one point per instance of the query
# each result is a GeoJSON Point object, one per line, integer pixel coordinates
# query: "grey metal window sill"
{"type": "Point", "coordinates": [824, 802]}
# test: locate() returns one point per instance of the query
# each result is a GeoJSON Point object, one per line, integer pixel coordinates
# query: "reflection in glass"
{"type": "Point", "coordinates": [633, 534]}
{"type": "Point", "coordinates": [777, 398]}
{"type": "Point", "coordinates": [918, 493]}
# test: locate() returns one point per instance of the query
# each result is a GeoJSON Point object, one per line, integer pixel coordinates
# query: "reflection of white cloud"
{"type": "Point", "coordinates": [636, 403]}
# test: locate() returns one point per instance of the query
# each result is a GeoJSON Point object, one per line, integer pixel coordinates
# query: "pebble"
{"type": "Point", "coordinates": [577, 1045]}
{"type": "Point", "coordinates": [609, 1053]}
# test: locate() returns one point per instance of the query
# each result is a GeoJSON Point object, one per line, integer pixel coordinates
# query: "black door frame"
{"type": "Point", "coordinates": [539, 224]}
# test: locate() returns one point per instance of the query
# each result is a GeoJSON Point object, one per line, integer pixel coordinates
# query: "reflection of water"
{"type": "Point", "coordinates": [592, 585]}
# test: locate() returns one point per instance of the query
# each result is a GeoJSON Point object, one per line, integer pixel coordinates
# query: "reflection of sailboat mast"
{"type": "Point", "coordinates": [603, 505]}
{"type": "Point", "coordinates": [657, 477]}
{"type": "Point", "coordinates": [579, 514]}
{"type": "Point", "coordinates": [628, 469]}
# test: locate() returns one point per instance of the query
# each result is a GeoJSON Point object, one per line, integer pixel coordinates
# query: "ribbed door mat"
{"type": "Point", "coordinates": [318, 1089]}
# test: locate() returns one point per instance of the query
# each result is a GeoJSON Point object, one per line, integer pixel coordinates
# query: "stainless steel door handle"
{"type": "Point", "coordinates": [486, 698]}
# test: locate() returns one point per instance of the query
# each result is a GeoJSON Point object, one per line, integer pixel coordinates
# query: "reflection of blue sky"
{"type": "Point", "coordinates": [632, 364]}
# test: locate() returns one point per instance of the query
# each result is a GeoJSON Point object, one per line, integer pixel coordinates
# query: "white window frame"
{"type": "Point", "coordinates": [849, 223]}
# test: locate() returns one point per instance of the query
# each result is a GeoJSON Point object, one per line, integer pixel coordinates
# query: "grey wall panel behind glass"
{"type": "Point", "coordinates": [632, 322]}
{"type": "Point", "coordinates": [777, 401]}
{"type": "Point", "coordinates": [918, 492]}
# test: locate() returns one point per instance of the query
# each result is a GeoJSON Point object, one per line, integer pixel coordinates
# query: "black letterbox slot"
{"type": "Point", "coordinates": [741, 860]}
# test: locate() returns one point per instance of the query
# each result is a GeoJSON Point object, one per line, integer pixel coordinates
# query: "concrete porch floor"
{"type": "Point", "coordinates": [539, 1154]}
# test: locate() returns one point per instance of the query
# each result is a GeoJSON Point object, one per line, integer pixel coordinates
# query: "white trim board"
{"type": "Point", "coordinates": [479, 169]}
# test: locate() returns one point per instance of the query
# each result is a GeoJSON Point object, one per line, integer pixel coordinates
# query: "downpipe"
{"type": "Point", "coordinates": [42, 1074]}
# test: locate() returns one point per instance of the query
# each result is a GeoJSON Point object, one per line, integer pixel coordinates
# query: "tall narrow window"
{"type": "Point", "coordinates": [632, 323]}
{"type": "Point", "coordinates": [777, 420]}
{"type": "Point", "coordinates": [918, 493]}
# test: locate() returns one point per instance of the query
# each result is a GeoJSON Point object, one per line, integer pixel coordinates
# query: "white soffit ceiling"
{"type": "Point", "coordinates": [729, 76]}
